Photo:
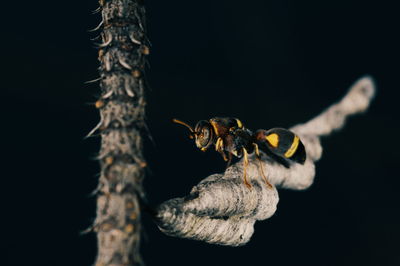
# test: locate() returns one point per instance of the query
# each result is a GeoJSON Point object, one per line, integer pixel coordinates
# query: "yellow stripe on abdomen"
{"type": "Point", "coordinates": [289, 153]}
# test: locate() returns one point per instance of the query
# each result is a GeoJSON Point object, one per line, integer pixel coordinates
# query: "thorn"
{"type": "Point", "coordinates": [124, 64]}
{"type": "Point", "coordinates": [106, 43]}
{"type": "Point", "coordinates": [108, 94]}
{"type": "Point", "coordinates": [134, 40]}
{"type": "Point", "coordinates": [98, 27]}
{"type": "Point", "coordinates": [94, 129]}
{"type": "Point", "coordinates": [129, 91]}
{"type": "Point", "coordinates": [92, 81]}
{"type": "Point", "coordinates": [95, 38]}
{"type": "Point", "coordinates": [88, 230]}
{"type": "Point", "coordinates": [106, 62]}
{"type": "Point", "coordinates": [97, 10]}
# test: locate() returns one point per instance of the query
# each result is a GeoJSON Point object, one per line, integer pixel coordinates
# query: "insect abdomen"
{"type": "Point", "coordinates": [283, 143]}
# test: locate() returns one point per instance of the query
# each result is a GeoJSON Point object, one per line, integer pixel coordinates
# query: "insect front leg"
{"type": "Point", "coordinates": [219, 147]}
{"type": "Point", "coordinates": [229, 159]}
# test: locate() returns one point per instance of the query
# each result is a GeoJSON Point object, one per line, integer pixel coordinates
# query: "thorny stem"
{"type": "Point", "coordinates": [121, 104]}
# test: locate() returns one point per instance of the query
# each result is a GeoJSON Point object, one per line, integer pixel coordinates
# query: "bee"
{"type": "Point", "coordinates": [230, 138]}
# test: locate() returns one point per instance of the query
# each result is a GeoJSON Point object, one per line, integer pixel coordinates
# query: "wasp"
{"type": "Point", "coordinates": [230, 138]}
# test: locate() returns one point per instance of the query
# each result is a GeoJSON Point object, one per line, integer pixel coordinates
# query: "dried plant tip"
{"type": "Point", "coordinates": [133, 216]}
{"type": "Point", "coordinates": [101, 54]}
{"type": "Point", "coordinates": [129, 205]}
{"type": "Point", "coordinates": [136, 73]}
{"type": "Point", "coordinates": [109, 160]}
{"type": "Point", "coordinates": [106, 227]}
{"type": "Point", "coordinates": [129, 228]}
{"type": "Point", "coordinates": [145, 50]}
{"type": "Point", "coordinates": [99, 104]}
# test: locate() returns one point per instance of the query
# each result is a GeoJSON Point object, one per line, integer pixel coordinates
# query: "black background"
{"type": "Point", "coordinates": [269, 63]}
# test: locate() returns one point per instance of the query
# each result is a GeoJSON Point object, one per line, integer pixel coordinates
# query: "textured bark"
{"type": "Point", "coordinates": [222, 210]}
{"type": "Point", "coordinates": [122, 105]}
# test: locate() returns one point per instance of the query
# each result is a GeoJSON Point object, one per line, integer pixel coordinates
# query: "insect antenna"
{"type": "Point", "coordinates": [186, 125]}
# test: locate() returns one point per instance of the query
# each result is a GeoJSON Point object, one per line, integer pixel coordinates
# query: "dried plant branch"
{"type": "Point", "coordinates": [122, 106]}
{"type": "Point", "coordinates": [222, 210]}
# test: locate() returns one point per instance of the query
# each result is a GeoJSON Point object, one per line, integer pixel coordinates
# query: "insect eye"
{"type": "Point", "coordinates": [203, 139]}
{"type": "Point", "coordinates": [205, 133]}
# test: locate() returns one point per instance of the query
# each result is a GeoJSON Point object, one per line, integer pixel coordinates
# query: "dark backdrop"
{"type": "Point", "coordinates": [269, 63]}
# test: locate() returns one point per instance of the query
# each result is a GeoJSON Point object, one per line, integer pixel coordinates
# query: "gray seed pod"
{"type": "Point", "coordinates": [222, 210]}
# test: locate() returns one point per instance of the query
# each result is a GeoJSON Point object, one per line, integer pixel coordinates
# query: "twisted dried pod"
{"type": "Point", "coordinates": [222, 210]}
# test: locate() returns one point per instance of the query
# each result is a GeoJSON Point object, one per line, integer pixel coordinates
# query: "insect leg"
{"type": "Point", "coordinates": [258, 156]}
{"type": "Point", "coordinates": [219, 144]}
{"type": "Point", "coordinates": [219, 147]}
{"type": "Point", "coordinates": [224, 156]}
{"type": "Point", "coordinates": [229, 160]}
{"type": "Point", "coordinates": [245, 164]}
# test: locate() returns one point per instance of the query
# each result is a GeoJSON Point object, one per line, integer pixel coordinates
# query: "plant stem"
{"type": "Point", "coordinates": [122, 106]}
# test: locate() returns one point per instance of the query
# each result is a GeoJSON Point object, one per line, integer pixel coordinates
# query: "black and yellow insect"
{"type": "Point", "coordinates": [230, 137]}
